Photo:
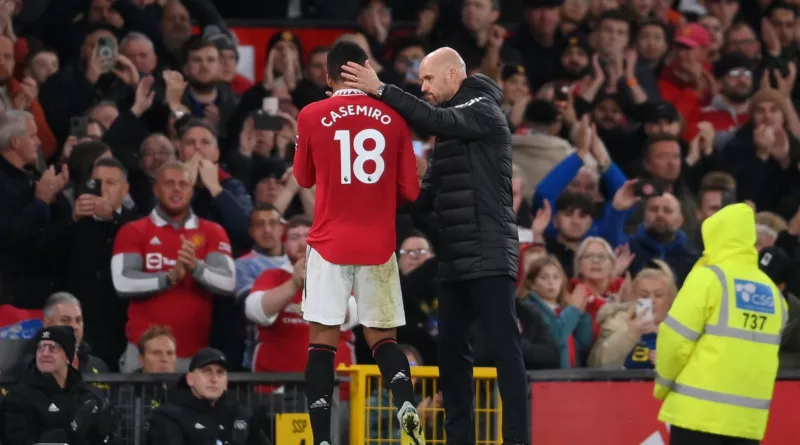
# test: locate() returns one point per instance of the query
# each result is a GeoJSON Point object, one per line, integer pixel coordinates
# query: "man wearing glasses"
{"type": "Point", "coordinates": [51, 403]}
{"type": "Point", "coordinates": [414, 251]}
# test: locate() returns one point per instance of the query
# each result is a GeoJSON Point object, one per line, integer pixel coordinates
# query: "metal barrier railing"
{"type": "Point", "coordinates": [135, 396]}
{"type": "Point", "coordinates": [367, 419]}
{"type": "Point", "coordinates": [373, 414]}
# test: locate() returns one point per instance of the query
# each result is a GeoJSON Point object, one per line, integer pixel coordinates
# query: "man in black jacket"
{"type": "Point", "coordinates": [51, 403]}
{"type": "Point", "coordinates": [83, 252]}
{"type": "Point", "coordinates": [468, 187]}
{"type": "Point", "coordinates": [30, 206]}
{"type": "Point", "coordinates": [199, 412]}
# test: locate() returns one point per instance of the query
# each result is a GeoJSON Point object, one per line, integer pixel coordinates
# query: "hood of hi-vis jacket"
{"type": "Point", "coordinates": [729, 236]}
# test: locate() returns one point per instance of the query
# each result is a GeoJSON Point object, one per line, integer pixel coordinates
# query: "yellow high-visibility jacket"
{"type": "Point", "coordinates": [717, 350]}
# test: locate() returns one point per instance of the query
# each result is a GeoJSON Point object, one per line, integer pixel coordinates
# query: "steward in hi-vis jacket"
{"type": "Point", "coordinates": [717, 350]}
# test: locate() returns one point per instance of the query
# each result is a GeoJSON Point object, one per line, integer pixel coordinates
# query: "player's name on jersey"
{"type": "Point", "coordinates": [356, 110]}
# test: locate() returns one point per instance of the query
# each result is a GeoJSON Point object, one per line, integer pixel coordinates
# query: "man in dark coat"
{"type": "Point", "coordinates": [468, 187]}
{"type": "Point", "coordinates": [51, 403]}
{"type": "Point", "coordinates": [199, 412]}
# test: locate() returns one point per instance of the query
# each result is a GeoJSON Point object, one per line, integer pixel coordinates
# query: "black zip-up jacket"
{"type": "Point", "coordinates": [187, 420]}
{"type": "Point", "coordinates": [468, 182]}
{"type": "Point", "coordinates": [37, 408]}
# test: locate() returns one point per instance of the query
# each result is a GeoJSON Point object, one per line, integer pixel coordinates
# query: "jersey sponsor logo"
{"type": "Point", "coordinates": [294, 308]}
{"type": "Point", "coordinates": [470, 103]}
{"type": "Point", "coordinates": [754, 296]}
{"type": "Point", "coordinates": [153, 261]}
{"type": "Point", "coordinates": [157, 261]}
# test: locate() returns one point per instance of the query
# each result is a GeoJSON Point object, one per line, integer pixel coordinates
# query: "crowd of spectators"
{"type": "Point", "coordinates": [147, 199]}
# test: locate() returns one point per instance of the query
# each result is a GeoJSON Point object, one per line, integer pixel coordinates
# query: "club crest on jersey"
{"type": "Point", "coordinates": [198, 240]}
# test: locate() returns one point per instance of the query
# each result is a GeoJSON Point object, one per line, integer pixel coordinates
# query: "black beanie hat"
{"type": "Point", "coordinates": [63, 335]}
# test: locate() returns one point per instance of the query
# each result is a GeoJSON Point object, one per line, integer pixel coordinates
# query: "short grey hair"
{"type": "Point", "coordinates": [152, 136]}
{"type": "Point", "coordinates": [56, 299]}
{"type": "Point", "coordinates": [134, 35]}
{"type": "Point", "coordinates": [12, 124]}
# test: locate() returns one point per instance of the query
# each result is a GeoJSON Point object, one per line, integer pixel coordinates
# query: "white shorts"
{"type": "Point", "coordinates": [376, 289]}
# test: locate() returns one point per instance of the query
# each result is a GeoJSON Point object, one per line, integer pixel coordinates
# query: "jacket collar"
{"type": "Point", "coordinates": [10, 169]}
{"type": "Point", "coordinates": [47, 383]}
{"type": "Point", "coordinates": [160, 220]}
{"type": "Point", "coordinates": [679, 243]}
{"type": "Point", "coordinates": [349, 92]}
{"type": "Point", "coordinates": [184, 396]}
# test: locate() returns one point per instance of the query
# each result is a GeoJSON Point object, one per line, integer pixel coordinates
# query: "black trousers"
{"type": "Point", "coordinates": [491, 301]}
{"type": "Point", "coordinates": [682, 436]}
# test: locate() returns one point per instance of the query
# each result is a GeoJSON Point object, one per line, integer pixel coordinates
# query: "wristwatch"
{"type": "Point", "coordinates": [379, 91]}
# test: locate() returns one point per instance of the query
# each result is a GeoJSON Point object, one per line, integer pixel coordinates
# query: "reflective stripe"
{"type": "Point", "coordinates": [724, 308]}
{"type": "Point", "coordinates": [681, 329]}
{"type": "Point", "coordinates": [713, 396]}
{"type": "Point", "coordinates": [741, 334]}
{"type": "Point", "coordinates": [719, 397]}
{"type": "Point", "coordinates": [722, 328]}
{"type": "Point", "coordinates": [664, 382]}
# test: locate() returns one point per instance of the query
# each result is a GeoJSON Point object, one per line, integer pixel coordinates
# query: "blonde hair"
{"type": "Point", "coordinates": [663, 273]}
{"type": "Point", "coordinates": [771, 223]}
{"type": "Point", "coordinates": [585, 244]}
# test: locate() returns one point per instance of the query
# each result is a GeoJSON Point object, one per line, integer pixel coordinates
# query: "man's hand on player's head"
{"type": "Point", "coordinates": [363, 78]}
{"type": "Point", "coordinates": [299, 274]}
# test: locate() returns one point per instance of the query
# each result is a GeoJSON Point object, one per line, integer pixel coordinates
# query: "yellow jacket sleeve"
{"type": "Point", "coordinates": [679, 332]}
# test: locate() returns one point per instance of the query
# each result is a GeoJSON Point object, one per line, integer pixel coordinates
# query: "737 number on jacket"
{"type": "Point", "coordinates": [753, 321]}
{"type": "Point", "coordinates": [350, 167]}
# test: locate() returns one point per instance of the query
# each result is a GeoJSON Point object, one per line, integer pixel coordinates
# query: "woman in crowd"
{"type": "Point", "coordinates": [629, 328]}
{"type": "Point", "coordinates": [598, 270]}
{"type": "Point", "coordinates": [545, 286]}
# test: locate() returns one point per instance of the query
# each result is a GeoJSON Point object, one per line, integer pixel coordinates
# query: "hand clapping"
{"type": "Point", "coordinates": [186, 255]}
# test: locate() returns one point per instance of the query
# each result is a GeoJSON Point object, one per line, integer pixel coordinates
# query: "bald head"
{"type": "Point", "coordinates": [447, 58]}
{"type": "Point", "coordinates": [442, 73]}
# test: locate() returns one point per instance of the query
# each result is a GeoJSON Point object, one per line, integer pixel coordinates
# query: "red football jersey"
{"type": "Point", "coordinates": [185, 307]}
{"type": "Point", "coordinates": [283, 345]}
{"type": "Point", "coordinates": [358, 152]}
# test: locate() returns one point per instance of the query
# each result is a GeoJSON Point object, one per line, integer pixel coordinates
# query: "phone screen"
{"type": "Point", "coordinates": [644, 308]}
{"type": "Point", "coordinates": [270, 105]}
{"type": "Point", "coordinates": [419, 148]}
{"type": "Point", "coordinates": [413, 70]}
{"type": "Point", "coordinates": [92, 187]}
{"type": "Point", "coordinates": [106, 52]}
